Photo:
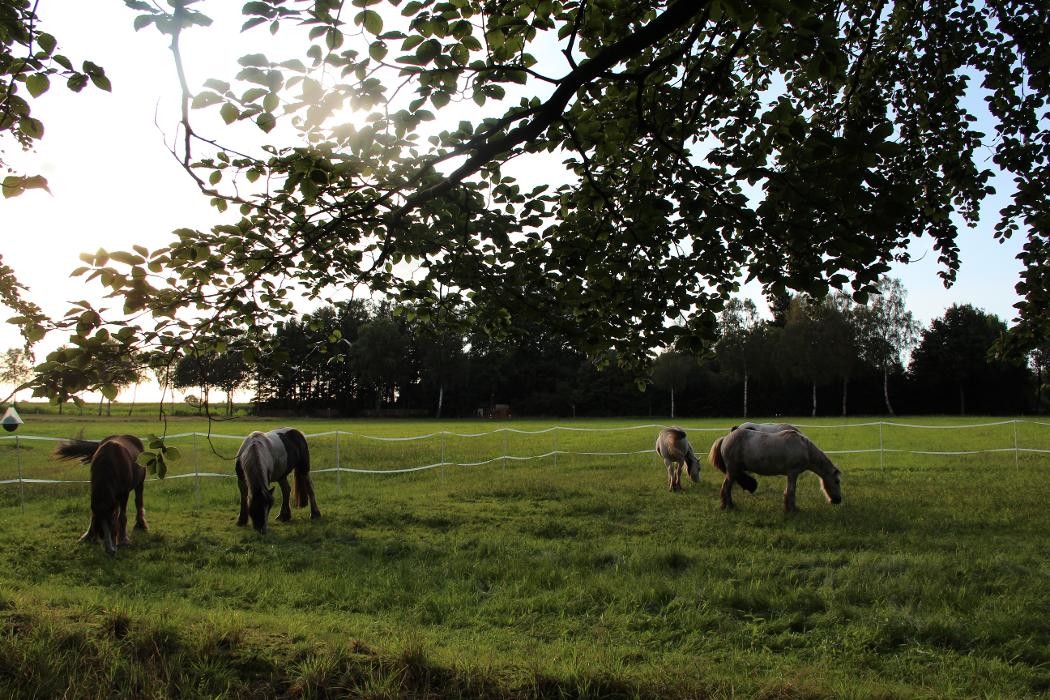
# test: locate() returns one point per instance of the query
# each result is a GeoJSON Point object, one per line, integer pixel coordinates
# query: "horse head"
{"type": "Point", "coordinates": [831, 484]}
{"type": "Point", "coordinates": [106, 519]}
{"type": "Point", "coordinates": [693, 464]}
{"type": "Point", "coordinates": [259, 506]}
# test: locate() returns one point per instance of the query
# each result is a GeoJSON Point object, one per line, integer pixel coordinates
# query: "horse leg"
{"type": "Point", "coordinates": [789, 493]}
{"type": "Point", "coordinates": [286, 511]}
{"type": "Point", "coordinates": [670, 476]}
{"type": "Point", "coordinates": [140, 509]}
{"type": "Point", "coordinates": [122, 522]}
{"type": "Point", "coordinates": [727, 492]}
{"type": "Point", "coordinates": [242, 485]}
{"type": "Point", "coordinates": [315, 512]}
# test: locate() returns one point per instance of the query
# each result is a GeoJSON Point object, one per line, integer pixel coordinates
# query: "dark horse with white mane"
{"type": "Point", "coordinates": [114, 475]}
{"type": "Point", "coordinates": [272, 456]}
{"type": "Point", "coordinates": [672, 445]}
{"type": "Point", "coordinates": [787, 452]}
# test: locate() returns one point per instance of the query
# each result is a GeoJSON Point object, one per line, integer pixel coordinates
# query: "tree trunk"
{"type": "Point", "coordinates": [100, 407]}
{"type": "Point", "coordinates": [814, 414]}
{"type": "Point", "coordinates": [1039, 387]}
{"type": "Point", "coordinates": [845, 394]}
{"type": "Point", "coordinates": [134, 395]}
{"type": "Point", "coordinates": [672, 402]}
{"type": "Point", "coordinates": [962, 400]}
{"type": "Point", "coordinates": [886, 389]}
{"type": "Point", "coordinates": [441, 398]}
{"type": "Point", "coordinates": [745, 393]}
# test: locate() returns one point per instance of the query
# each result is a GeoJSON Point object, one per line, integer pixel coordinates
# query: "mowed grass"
{"type": "Point", "coordinates": [565, 575]}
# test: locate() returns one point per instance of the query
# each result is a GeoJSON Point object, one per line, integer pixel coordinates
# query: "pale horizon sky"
{"type": "Point", "coordinates": [114, 184]}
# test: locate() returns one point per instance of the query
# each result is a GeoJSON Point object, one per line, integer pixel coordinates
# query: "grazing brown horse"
{"type": "Point", "coordinates": [672, 445]}
{"type": "Point", "coordinates": [787, 452]}
{"type": "Point", "coordinates": [272, 456]}
{"type": "Point", "coordinates": [114, 475]}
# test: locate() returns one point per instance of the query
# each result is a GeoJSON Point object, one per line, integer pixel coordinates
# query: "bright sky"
{"type": "Point", "coordinates": [114, 184]}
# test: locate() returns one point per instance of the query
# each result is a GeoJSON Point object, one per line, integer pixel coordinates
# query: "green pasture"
{"type": "Point", "coordinates": [556, 565]}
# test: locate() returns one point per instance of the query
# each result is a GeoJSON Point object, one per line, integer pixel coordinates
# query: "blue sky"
{"type": "Point", "coordinates": [113, 183]}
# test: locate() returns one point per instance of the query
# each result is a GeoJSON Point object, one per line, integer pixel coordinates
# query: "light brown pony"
{"type": "Point", "coordinates": [114, 475]}
{"type": "Point", "coordinates": [787, 452]}
{"type": "Point", "coordinates": [672, 445]}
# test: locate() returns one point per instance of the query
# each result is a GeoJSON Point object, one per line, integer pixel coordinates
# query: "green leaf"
{"type": "Point", "coordinates": [494, 38]}
{"type": "Point", "coordinates": [205, 99]}
{"type": "Point", "coordinates": [266, 121]}
{"type": "Point", "coordinates": [377, 50]}
{"type": "Point", "coordinates": [37, 84]}
{"type": "Point", "coordinates": [229, 113]}
{"type": "Point", "coordinates": [46, 42]}
{"type": "Point", "coordinates": [428, 51]}
{"type": "Point", "coordinates": [372, 21]}
{"type": "Point", "coordinates": [333, 39]}
{"type": "Point", "coordinates": [143, 21]}
{"type": "Point", "coordinates": [32, 128]}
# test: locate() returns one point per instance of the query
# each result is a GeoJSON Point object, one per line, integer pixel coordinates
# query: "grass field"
{"type": "Point", "coordinates": [564, 575]}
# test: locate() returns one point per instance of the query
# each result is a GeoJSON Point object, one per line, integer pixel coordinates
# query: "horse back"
{"type": "Point", "coordinates": [672, 444]}
{"type": "Point", "coordinates": [113, 470]}
{"type": "Point", "coordinates": [766, 453]}
{"type": "Point", "coordinates": [296, 449]}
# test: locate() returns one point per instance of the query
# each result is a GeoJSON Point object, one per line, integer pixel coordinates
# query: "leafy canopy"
{"type": "Point", "coordinates": [800, 144]}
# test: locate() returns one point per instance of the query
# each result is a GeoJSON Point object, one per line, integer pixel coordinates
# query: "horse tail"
{"type": "Point", "coordinates": [715, 456]}
{"type": "Point", "coordinates": [300, 489]}
{"type": "Point", "coordinates": [299, 453]}
{"type": "Point", "coordinates": [746, 481]}
{"type": "Point", "coordinates": [76, 449]}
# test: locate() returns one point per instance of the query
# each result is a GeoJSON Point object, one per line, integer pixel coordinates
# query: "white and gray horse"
{"type": "Point", "coordinates": [267, 457]}
{"type": "Point", "coordinates": [787, 452]}
{"type": "Point", "coordinates": [672, 445]}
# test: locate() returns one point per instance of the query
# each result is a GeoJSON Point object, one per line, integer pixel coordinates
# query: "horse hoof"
{"type": "Point", "coordinates": [315, 515]}
{"type": "Point", "coordinates": [142, 526]}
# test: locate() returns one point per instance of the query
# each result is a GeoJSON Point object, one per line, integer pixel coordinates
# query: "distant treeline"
{"type": "Point", "coordinates": [831, 357]}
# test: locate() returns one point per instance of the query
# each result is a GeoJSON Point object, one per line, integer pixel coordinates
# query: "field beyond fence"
{"type": "Point", "coordinates": [532, 559]}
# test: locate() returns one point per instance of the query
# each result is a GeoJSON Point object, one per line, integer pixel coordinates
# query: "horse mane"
{"type": "Point", "coordinates": [251, 459]}
{"type": "Point", "coordinates": [817, 455]}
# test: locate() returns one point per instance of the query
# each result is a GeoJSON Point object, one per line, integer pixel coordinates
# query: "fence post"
{"type": "Point", "coordinates": [338, 465]}
{"type": "Point", "coordinates": [555, 431]}
{"type": "Point", "coordinates": [882, 462]}
{"type": "Point", "coordinates": [21, 486]}
{"type": "Point", "coordinates": [505, 448]}
{"type": "Point", "coordinates": [1017, 459]}
{"type": "Point", "coordinates": [197, 470]}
